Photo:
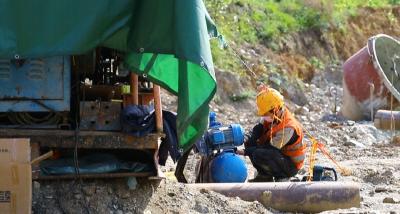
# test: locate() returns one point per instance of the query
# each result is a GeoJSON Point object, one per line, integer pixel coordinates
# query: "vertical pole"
{"type": "Point", "coordinates": [158, 107]}
{"type": "Point", "coordinates": [371, 98]}
{"type": "Point", "coordinates": [35, 152]}
{"type": "Point", "coordinates": [134, 89]}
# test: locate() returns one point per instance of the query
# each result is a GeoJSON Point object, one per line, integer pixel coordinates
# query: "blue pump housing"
{"type": "Point", "coordinates": [220, 143]}
{"type": "Point", "coordinates": [228, 167]}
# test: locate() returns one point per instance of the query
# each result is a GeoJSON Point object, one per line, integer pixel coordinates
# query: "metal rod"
{"type": "Point", "coordinates": [292, 196]}
{"type": "Point", "coordinates": [333, 92]}
{"type": "Point", "coordinates": [371, 97]}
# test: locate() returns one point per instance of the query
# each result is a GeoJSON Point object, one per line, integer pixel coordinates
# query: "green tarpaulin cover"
{"type": "Point", "coordinates": [166, 40]}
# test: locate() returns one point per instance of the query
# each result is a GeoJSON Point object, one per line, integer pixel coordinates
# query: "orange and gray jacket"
{"type": "Point", "coordinates": [295, 150]}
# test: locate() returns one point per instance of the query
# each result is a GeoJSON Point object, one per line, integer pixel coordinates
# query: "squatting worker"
{"type": "Point", "coordinates": [275, 145]}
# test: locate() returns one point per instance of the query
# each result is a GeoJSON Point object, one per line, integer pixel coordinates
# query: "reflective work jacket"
{"type": "Point", "coordinates": [296, 151]}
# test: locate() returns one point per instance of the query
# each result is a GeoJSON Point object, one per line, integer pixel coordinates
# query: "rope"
{"type": "Point", "coordinates": [317, 145]}
{"type": "Point", "coordinates": [283, 131]}
{"type": "Point", "coordinates": [242, 61]}
{"type": "Point", "coordinates": [313, 152]}
{"type": "Point", "coordinates": [392, 121]}
{"type": "Point", "coordinates": [343, 170]}
{"type": "Point", "coordinates": [391, 113]}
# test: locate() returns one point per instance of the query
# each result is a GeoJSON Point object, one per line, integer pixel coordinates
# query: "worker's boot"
{"type": "Point", "coordinates": [262, 178]}
{"type": "Point", "coordinates": [277, 179]}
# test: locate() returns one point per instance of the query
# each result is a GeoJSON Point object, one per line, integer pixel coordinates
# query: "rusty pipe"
{"type": "Point", "coordinates": [370, 65]}
{"type": "Point", "coordinates": [134, 82]}
{"type": "Point", "coordinates": [386, 119]}
{"type": "Point", "coordinates": [292, 196]}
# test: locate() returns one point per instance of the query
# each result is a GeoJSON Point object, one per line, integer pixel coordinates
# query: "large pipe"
{"type": "Point", "coordinates": [292, 196]}
{"type": "Point", "coordinates": [369, 77]}
{"type": "Point", "coordinates": [385, 119]}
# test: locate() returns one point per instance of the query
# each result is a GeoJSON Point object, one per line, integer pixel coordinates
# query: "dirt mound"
{"type": "Point", "coordinates": [114, 196]}
{"type": "Point", "coordinates": [347, 41]}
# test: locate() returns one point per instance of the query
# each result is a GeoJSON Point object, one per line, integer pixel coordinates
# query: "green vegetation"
{"type": "Point", "coordinates": [266, 21]}
{"type": "Point", "coordinates": [245, 95]}
{"type": "Point", "coordinates": [317, 63]}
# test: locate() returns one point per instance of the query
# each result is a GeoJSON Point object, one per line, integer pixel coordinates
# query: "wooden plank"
{"type": "Point", "coordinates": [86, 139]}
{"type": "Point", "coordinates": [158, 108]}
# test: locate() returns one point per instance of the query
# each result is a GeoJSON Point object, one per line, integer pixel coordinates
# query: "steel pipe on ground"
{"type": "Point", "coordinates": [383, 119]}
{"type": "Point", "coordinates": [292, 196]}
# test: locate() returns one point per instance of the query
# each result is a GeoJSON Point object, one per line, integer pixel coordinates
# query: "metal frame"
{"type": "Point", "coordinates": [43, 105]}
{"type": "Point", "coordinates": [45, 138]}
{"type": "Point", "coordinates": [86, 140]}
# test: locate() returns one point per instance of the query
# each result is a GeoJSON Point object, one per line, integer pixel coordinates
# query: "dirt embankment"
{"type": "Point", "coordinates": [302, 53]}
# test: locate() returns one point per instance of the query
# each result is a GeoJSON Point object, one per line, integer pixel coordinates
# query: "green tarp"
{"type": "Point", "coordinates": [166, 40]}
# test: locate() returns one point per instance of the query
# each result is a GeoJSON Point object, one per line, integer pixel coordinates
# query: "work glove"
{"type": "Point", "coordinates": [252, 137]}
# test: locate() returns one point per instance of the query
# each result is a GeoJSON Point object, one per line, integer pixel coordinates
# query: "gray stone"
{"type": "Point", "coordinates": [124, 194]}
{"type": "Point", "coordinates": [204, 191]}
{"type": "Point", "coordinates": [78, 196]}
{"type": "Point", "coordinates": [200, 207]}
{"type": "Point", "coordinates": [36, 186]}
{"type": "Point", "coordinates": [391, 200]}
{"type": "Point", "coordinates": [354, 143]}
{"type": "Point", "coordinates": [132, 183]}
{"type": "Point", "coordinates": [89, 190]}
{"type": "Point", "coordinates": [302, 110]}
{"type": "Point", "coordinates": [379, 189]}
{"type": "Point", "coordinates": [110, 190]}
{"type": "Point", "coordinates": [99, 190]}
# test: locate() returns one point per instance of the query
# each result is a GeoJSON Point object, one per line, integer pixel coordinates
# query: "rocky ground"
{"type": "Point", "coordinates": [369, 153]}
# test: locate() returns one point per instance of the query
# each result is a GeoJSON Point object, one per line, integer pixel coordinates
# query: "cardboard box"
{"type": "Point", "coordinates": [16, 176]}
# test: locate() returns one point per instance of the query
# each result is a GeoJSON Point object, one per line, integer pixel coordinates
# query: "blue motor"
{"type": "Point", "coordinates": [224, 138]}
{"type": "Point", "coordinates": [220, 138]}
{"type": "Point", "coordinates": [220, 143]}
